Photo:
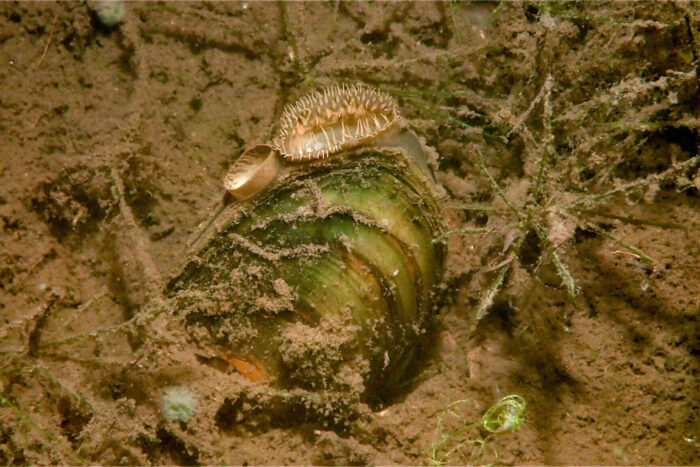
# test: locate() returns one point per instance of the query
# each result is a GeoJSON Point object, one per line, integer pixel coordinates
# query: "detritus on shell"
{"type": "Point", "coordinates": [338, 117]}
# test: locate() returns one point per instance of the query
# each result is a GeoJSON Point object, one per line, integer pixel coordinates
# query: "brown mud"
{"type": "Point", "coordinates": [568, 141]}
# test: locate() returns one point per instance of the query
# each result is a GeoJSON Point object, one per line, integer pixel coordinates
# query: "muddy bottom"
{"type": "Point", "coordinates": [567, 137]}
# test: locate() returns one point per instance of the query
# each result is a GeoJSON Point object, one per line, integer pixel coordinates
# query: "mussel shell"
{"type": "Point", "coordinates": [324, 280]}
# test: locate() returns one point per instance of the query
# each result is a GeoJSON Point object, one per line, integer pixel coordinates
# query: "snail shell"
{"type": "Point", "coordinates": [325, 277]}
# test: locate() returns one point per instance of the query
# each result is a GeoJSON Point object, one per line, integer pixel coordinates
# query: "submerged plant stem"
{"type": "Point", "coordinates": [48, 436]}
{"type": "Point", "coordinates": [487, 299]}
{"type": "Point", "coordinates": [464, 232]}
{"type": "Point", "coordinates": [629, 219]}
{"type": "Point", "coordinates": [495, 185]}
{"type": "Point", "coordinates": [562, 270]}
{"type": "Point", "coordinates": [504, 416]}
{"type": "Point", "coordinates": [589, 201]}
{"type": "Point", "coordinates": [635, 251]}
{"type": "Point", "coordinates": [495, 285]}
{"type": "Point", "coordinates": [469, 207]}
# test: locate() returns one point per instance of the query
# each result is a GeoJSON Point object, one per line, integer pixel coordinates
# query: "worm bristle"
{"type": "Point", "coordinates": [324, 122]}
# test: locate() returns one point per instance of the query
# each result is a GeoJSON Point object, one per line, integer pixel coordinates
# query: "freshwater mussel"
{"type": "Point", "coordinates": [320, 269]}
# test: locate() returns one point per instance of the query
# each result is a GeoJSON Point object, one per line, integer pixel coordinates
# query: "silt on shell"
{"type": "Point", "coordinates": [322, 274]}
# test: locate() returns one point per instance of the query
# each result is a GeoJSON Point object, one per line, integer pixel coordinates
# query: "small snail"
{"type": "Point", "coordinates": [321, 273]}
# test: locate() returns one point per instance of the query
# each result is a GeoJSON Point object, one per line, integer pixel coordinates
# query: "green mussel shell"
{"type": "Point", "coordinates": [326, 279]}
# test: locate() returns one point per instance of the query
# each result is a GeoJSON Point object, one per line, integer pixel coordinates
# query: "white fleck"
{"type": "Point", "coordinates": [548, 21]}
{"type": "Point", "coordinates": [178, 404]}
